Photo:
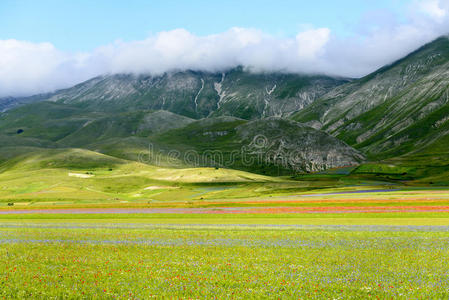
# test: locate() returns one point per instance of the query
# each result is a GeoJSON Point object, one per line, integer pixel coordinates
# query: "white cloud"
{"type": "Point", "coordinates": [311, 42]}
{"type": "Point", "coordinates": [28, 68]}
{"type": "Point", "coordinates": [433, 8]}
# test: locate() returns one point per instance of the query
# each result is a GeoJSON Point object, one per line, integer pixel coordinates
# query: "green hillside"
{"type": "Point", "coordinates": [288, 147]}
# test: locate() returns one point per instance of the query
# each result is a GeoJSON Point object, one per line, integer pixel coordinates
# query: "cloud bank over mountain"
{"type": "Point", "coordinates": [28, 68]}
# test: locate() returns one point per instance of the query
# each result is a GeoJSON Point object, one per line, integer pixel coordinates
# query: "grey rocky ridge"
{"type": "Point", "coordinates": [197, 95]}
{"type": "Point", "coordinates": [401, 108]}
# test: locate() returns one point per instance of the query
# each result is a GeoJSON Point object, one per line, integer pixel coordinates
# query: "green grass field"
{"type": "Point", "coordinates": [142, 258]}
{"type": "Point", "coordinates": [62, 243]}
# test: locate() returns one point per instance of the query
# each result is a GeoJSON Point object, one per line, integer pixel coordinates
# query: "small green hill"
{"type": "Point", "coordinates": [82, 176]}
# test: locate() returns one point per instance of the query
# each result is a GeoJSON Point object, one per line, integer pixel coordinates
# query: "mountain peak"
{"type": "Point", "coordinates": [196, 94]}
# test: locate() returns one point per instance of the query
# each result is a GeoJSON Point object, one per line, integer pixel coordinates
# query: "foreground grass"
{"type": "Point", "coordinates": [112, 260]}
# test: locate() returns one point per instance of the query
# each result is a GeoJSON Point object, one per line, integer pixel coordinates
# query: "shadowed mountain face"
{"type": "Point", "coordinates": [401, 108]}
{"type": "Point", "coordinates": [198, 94]}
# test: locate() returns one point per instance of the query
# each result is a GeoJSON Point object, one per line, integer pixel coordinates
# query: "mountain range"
{"type": "Point", "coordinates": [268, 123]}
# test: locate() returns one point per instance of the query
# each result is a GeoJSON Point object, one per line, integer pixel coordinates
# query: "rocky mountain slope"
{"type": "Point", "coordinates": [199, 94]}
{"type": "Point", "coordinates": [399, 109]}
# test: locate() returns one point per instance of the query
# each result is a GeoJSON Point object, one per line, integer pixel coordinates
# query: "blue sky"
{"type": "Point", "coordinates": [83, 25]}
{"type": "Point", "coordinates": [52, 44]}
